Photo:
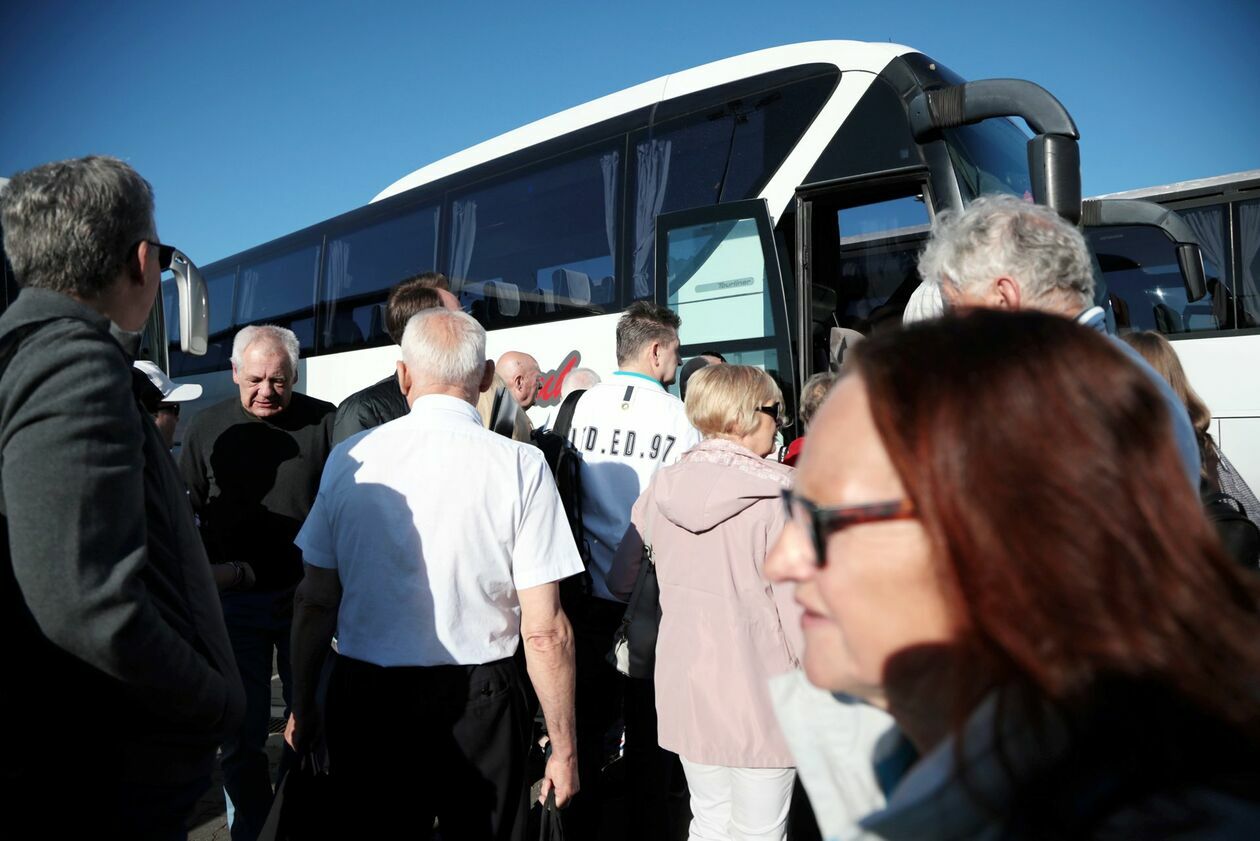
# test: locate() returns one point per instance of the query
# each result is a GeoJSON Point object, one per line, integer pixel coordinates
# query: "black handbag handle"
{"type": "Point", "coordinates": [551, 828]}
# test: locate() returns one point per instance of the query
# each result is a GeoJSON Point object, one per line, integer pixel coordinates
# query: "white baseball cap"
{"type": "Point", "coordinates": [172, 392]}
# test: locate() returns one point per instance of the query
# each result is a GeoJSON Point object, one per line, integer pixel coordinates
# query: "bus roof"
{"type": "Point", "coordinates": [845, 55]}
{"type": "Point", "coordinates": [1189, 189]}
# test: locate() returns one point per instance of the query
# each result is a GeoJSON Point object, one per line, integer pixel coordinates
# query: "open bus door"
{"type": "Point", "coordinates": [717, 267]}
{"type": "Point", "coordinates": [857, 246]}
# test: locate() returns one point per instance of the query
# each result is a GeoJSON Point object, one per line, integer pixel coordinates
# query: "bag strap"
{"type": "Point", "coordinates": [564, 417]}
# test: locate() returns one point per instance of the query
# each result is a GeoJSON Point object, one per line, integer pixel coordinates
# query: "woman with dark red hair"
{"type": "Point", "coordinates": [993, 540]}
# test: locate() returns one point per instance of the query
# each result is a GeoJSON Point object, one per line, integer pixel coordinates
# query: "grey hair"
{"type": "Point", "coordinates": [578, 378]}
{"type": "Point", "coordinates": [445, 346]}
{"type": "Point", "coordinates": [280, 337]}
{"type": "Point", "coordinates": [70, 225]}
{"type": "Point", "coordinates": [813, 393]}
{"type": "Point", "coordinates": [640, 325]}
{"type": "Point", "coordinates": [1004, 236]}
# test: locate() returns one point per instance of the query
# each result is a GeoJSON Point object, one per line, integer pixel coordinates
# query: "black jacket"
{"type": "Point", "coordinates": [117, 658]}
{"type": "Point", "coordinates": [253, 481]}
{"type": "Point", "coordinates": [375, 405]}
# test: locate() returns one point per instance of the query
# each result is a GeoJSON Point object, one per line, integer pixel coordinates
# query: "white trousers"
{"type": "Point", "coordinates": [738, 804]}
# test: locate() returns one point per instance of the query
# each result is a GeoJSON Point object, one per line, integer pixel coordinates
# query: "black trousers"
{"type": "Point", "coordinates": [603, 697]}
{"type": "Point", "coordinates": [406, 745]}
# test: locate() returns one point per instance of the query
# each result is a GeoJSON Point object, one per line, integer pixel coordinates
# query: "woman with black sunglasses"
{"type": "Point", "coordinates": [725, 629]}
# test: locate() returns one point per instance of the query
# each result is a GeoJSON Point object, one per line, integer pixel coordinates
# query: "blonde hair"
{"type": "Point", "coordinates": [723, 399]}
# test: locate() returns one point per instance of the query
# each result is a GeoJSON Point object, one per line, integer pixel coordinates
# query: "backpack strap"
{"type": "Point", "coordinates": [564, 417]}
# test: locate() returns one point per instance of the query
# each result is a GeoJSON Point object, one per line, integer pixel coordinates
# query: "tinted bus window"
{"type": "Point", "coordinates": [362, 265]}
{"type": "Point", "coordinates": [721, 154]}
{"type": "Point", "coordinates": [1143, 278]}
{"type": "Point", "coordinates": [220, 284]}
{"type": "Point", "coordinates": [879, 245]}
{"type": "Point", "coordinates": [540, 246]}
{"type": "Point", "coordinates": [280, 290]}
{"type": "Point", "coordinates": [990, 157]}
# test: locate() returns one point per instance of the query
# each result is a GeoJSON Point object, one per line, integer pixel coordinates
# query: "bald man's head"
{"type": "Point", "coordinates": [523, 376]}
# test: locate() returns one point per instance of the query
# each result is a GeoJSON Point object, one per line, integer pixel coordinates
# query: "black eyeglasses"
{"type": "Point", "coordinates": [822, 522]}
{"type": "Point", "coordinates": [165, 252]}
{"type": "Point", "coordinates": [172, 408]}
{"type": "Point", "coordinates": [773, 411]}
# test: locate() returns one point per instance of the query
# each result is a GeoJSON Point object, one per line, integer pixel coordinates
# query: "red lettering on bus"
{"type": "Point", "coordinates": [553, 380]}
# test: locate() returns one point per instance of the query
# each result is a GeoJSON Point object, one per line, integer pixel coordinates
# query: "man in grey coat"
{"type": "Point", "coordinates": [119, 681]}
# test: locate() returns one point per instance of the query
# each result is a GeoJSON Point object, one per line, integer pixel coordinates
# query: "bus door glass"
{"type": "Point", "coordinates": [857, 255]}
{"type": "Point", "coordinates": [718, 269]}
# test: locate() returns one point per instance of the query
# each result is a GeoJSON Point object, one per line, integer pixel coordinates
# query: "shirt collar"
{"type": "Point", "coordinates": [430, 403]}
{"type": "Point", "coordinates": [1094, 318]}
{"type": "Point", "coordinates": [644, 377]}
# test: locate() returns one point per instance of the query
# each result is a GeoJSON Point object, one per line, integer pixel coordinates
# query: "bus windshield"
{"type": "Point", "coordinates": [990, 157]}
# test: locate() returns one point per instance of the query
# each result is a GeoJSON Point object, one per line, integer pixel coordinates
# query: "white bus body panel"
{"type": "Point", "coordinates": [1221, 370]}
{"type": "Point", "coordinates": [858, 63]}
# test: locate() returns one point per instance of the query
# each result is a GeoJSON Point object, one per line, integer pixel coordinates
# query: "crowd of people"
{"type": "Point", "coordinates": [983, 598]}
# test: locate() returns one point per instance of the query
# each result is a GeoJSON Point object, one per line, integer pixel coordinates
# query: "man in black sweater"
{"type": "Point", "coordinates": [384, 401]}
{"type": "Point", "coordinates": [118, 680]}
{"type": "Point", "coordinates": [252, 465]}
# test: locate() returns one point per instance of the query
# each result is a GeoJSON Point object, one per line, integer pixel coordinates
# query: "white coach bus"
{"type": "Point", "coordinates": [1218, 336]}
{"type": "Point", "coordinates": [767, 198]}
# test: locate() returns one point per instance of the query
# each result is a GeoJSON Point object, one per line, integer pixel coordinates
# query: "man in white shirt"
{"type": "Point", "coordinates": [626, 428]}
{"type": "Point", "coordinates": [432, 563]}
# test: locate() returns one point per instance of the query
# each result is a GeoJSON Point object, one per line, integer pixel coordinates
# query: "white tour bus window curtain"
{"type": "Point", "coordinates": [337, 281]}
{"type": "Point", "coordinates": [652, 178]}
{"type": "Point", "coordinates": [1248, 285]}
{"type": "Point", "coordinates": [608, 164]}
{"type": "Point", "coordinates": [464, 220]}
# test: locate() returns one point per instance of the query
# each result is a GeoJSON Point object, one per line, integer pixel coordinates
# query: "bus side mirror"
{"type": "Point", "coordinates": [1190, 259]}
{"type": "Point", "coordinates": [1054, 168]}
{"type": "Point", "coordinates": [194, 305]}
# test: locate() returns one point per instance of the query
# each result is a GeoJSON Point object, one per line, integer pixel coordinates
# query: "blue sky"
{"type": "Point", "coordinates": [255, 119]}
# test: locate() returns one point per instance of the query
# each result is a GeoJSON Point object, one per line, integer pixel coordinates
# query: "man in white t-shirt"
{"type": "Point", "coordinates": [625, 428]}
{"type": "Point", "coordinates": [433, 563]}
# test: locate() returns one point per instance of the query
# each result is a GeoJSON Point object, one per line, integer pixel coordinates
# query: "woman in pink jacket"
{"type": "Point", "coordinates": [725, 628]}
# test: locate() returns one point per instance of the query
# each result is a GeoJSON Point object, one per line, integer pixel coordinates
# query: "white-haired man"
{"type": "Point", "coordinates": [252, 465]}
{"type": "Point", "coordinates": [579, 379]}
{"type": "Point", "coordinates": [432, 564]}
{"type": "Point", "coordinates": [1006, 253]}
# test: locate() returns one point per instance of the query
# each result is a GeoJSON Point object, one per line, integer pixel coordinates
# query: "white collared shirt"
{"type": "Point", "coordinates": [433, 524]}
{"type": "Point", "coordinates": [626, 428]}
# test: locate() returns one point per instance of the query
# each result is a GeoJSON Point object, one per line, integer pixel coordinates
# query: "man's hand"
{"type": "Point", "coordinates": [234, 575]}
{"type": "Point", "coordinates": [561, 774]}
{"type": "Point", "coordinates": [302, 738]}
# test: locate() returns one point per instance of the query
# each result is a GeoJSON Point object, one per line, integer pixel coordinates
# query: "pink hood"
{"type": "Point", "coordinates": [701, 490]}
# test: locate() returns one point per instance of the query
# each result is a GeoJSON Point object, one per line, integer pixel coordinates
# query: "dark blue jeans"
{"type": "Point", "coordinates": [258, 625]}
